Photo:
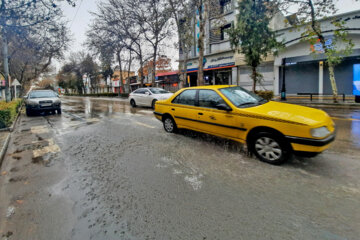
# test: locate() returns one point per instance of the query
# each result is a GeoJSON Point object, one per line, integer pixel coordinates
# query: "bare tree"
{"type": "Point", "coordinates": [152, 17]}
{"type": "Point", "coordinates": [182, 13]}
{"type": "Point", "coordinates": [24, 18]}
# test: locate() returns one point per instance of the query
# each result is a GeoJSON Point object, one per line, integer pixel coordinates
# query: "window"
{"type": "Point", "coordinates": [140, 91]}
{"type": "Point", "coordinates": [158, 91]}
{"type": "Point", "coordinates": [224, 34]}
{"type": "Point", "coordinates": [226, 6]}
{"type": "Point", "coordinates": [209, 99]}
{"type": "Point", "coordinates": [42, 94]}
{"type": "Point", "coordinates": [241, 97]}
{"type": "Point", "coordinates": [188, 97]}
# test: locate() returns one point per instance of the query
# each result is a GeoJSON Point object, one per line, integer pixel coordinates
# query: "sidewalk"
{"type": "Point", "coordinates": [321, 101]}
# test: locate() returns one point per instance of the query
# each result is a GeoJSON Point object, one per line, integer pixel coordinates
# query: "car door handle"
{"type": "Point", "coordinates": [200, 113]}
{"type": "Point", "coordinates": [173, 109]}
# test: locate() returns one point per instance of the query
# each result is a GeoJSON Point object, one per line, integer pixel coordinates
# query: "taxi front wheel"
{"type": "Point", "coordinates": [169, 125]}
{"type": "Point", "coordinates": [270, 148]}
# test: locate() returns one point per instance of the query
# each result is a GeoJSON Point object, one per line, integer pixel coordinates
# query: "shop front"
{"type": "Point", "coordinates": [168, 81]}
{"type": "Point", "coordinates": [218, 70]}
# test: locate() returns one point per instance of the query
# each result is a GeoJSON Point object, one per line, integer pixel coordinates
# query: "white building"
{"type": "Point", "coordinates": [303, 72]}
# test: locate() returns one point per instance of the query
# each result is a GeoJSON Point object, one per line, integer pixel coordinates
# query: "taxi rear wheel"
{"type": "Point", "coordinates": [169, 124]}
{"type": "Point", "coordinates": [270, 148]}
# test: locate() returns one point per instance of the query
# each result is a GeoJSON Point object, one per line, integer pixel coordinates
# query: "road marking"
{"type": "Point", "coordinates": [346, 119]}
{"type": "Point", "coordinates": [145, 125]}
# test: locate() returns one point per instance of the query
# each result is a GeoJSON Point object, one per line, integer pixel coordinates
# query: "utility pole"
{"type": "Point", "coordinates": [6, 67]}
{"type": "Point", "coordinates": [283, 88]}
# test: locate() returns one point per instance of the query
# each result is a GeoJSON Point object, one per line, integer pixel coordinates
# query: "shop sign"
{"type": "Point", "coordinates": [318, 48]}
{"type": "Point", "coordinates": [221, 65]}
{"type": "Point", "coordinates": [116, 83]}
{"type": "Point", "coordinates": [210, 62]}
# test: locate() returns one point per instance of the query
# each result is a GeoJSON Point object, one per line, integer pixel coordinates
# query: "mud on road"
{"type": "Point", "coordinates": [104, 170]}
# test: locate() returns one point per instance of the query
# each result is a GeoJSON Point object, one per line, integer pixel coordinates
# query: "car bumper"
{"type": "Point", "coordinates": [39, 108]}
{"type": "Point", "coordinates": [158, 115]}
{"type": "Point", "coordinates": [310, 145]}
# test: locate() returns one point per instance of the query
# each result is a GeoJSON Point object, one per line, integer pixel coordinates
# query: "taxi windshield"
{"type": "Point", "coordinates": [240, 97]}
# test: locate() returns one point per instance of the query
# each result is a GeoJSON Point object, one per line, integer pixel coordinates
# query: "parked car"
{"type": "Point", "coordinates": [42, 100]}
{"type": "Point", "coordinates": [148, 96]}
{"type": "Point", "coordinates": [272, 130]}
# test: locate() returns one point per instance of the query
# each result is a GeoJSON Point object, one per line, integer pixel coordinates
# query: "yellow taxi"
{"type": "Point", "coordinates": [271, 130]}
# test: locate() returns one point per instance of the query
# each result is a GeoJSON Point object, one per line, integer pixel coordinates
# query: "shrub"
{"type": "Point", "coordinates": [8, 112]}
{"type": "Point", "coordinates": [268, 95]}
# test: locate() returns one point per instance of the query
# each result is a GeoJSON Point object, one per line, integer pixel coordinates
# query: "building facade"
{"type": "Point", "coordinates": [304, 71]}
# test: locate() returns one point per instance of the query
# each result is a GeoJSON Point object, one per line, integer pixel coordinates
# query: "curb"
{"type": "Point", "coordinates": [7, 140]}
{"type": "Point", "coordinates": [11, 128]}
{"type": "Point", "coordinates": [4, 148]}
{"type": "Point", "coordinates": [317, 104]}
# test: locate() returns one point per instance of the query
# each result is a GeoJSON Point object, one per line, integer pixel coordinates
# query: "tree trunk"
{"type": "Point", "coordinates": [121, 85]}
{"type": "Point", "coordinates": [153, 73]}
{"type": "Point", "coordinates": [333, 83]}
{"type": "Point", "coordinates": [129, 69]}
{"type": "Point", "coordinates": [6, 68]}
{"type": "Point", "coordinates": [254, 78]}
{"type": "Point", "coordinates": [141, 73]}
{"type": "Point", "coordinates": [202, 20]}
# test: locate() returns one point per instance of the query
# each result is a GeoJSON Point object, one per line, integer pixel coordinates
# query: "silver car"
{"type": "Point", "coordinates": [148, 96]}
{"type": "Point", "coordinates": [42, 100]}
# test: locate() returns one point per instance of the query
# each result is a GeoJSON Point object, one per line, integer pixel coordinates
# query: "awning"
{"type": "Point", "coordinates": [214, 67]}
{"type": "Point", "coordinates": [166, 74]}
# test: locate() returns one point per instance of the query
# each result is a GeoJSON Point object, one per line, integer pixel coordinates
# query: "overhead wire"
{"type": "Point", "coordinates": [77, 11]}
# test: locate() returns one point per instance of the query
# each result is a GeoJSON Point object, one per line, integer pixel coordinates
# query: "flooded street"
{"type": "Point", "coordinates": [105, 170]}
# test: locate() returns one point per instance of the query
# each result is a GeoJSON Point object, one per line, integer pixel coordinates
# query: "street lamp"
{"type": "Point", "coordinates": [283, 88]}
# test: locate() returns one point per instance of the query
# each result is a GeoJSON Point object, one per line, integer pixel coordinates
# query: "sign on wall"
{"type": "Point", "coordinates": [356, 80]}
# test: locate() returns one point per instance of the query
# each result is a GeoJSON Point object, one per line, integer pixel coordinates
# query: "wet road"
{"type": "Point", "coordinates": [104, 170]}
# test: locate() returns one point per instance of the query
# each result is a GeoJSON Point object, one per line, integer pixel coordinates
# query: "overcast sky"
{"type": "Point", "coordinates": [79, 17]}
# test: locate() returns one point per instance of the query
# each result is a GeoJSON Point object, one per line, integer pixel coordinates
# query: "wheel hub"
{"type": "Point", "coordinates": [268, 148]}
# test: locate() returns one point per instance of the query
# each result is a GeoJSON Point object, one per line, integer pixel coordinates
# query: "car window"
{"type": "Point", "coordinates": [209, 99]}
{"type": "Point", "coordinates": [42, 94]}
{"type": "Point", "coordinates": [187, 97]}
{"type": "Point", "coordinates": [241, 97]}
{"type": "Point", "coordinates": [140, 91]}
{"type": "Point", "coordinates": [158, 91]}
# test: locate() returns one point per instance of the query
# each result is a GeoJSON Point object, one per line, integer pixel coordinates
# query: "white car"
{"type": "Point", "coordinates": [148, 96]}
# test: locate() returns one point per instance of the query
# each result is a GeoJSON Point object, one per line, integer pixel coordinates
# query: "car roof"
{"type": "Point", "coordinates": [42, 90]}
{"type": "Point", "coordinates": [212, 87]}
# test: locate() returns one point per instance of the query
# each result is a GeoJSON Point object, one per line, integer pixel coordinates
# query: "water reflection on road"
{"type": "Point", "coordinates": [347, 120]}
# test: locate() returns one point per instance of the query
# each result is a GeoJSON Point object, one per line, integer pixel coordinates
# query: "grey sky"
{"type": "Point", "coordinates": [79, 18]}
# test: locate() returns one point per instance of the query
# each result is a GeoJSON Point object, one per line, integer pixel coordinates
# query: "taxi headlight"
{"type": "Point", "coordinates": [320, 132]}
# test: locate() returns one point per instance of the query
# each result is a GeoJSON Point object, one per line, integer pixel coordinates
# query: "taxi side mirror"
{"type": "Point", "coordinates": [224, 107]}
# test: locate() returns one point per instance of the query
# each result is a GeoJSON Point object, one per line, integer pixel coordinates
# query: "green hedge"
{"type": "Point", "coordinates": [99, 95]}
{"type": "Point", "coordinates": [8, 112]}
{"type": "Point", "coordinates": [268, 95]}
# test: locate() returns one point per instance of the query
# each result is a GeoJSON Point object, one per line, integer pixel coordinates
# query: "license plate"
{"type": "Point", "coordinates": [46, 105]}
